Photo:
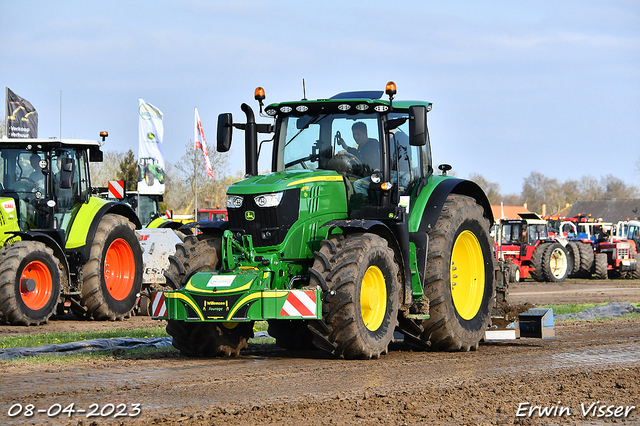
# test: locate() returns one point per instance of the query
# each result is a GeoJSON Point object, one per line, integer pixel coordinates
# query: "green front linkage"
{"type": "Point", "coordinates": [239, 293]}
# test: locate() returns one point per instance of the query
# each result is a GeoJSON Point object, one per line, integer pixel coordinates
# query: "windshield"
{"type": "Point", "coordinates": [346, 143]}
{"type": "Point", "coordinates": [146, 208]}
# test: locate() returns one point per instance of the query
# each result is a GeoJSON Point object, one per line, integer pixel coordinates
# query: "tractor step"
{"type": "Point", "coordinates": [418, 316]}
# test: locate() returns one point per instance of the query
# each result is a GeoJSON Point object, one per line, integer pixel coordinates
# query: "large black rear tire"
{"type": "Point", "coordinates": [29, 283]}
{"type": "Point", "coordinates": [574, 253]}
{"type": "Point", "coordinates": [537, 263]}
{"type": "Point", "coordinates": [361, 297]}
{"type": "Point", "coordinates": [460, 279]}
{"type": "Point", "coordinates": [113, 273]}
{"type": "Point", "coordinates": [601, 266]}
{"type": "Point", "coordinates": [587, 259]}
{"type": "Point", "coordinates": [556, 263]}
{"type": "Point", "coordinates": [635, 274]}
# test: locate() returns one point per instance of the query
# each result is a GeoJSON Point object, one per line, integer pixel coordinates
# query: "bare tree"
{"type": "Point", "coordinates": [590, 188]}
{"type": "Point", "coordinates": [492, 189]}
{"type": "Point", "coordinates": [536, 190]}
{"type": "Point", "coordinates": [102, 173]}
{"type": "Point", "coordinates": [615, 188]}
{"type": "Point", "coordinates": [190, 171]}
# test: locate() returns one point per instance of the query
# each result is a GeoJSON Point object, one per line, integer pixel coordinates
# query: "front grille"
{"type": "Point", "coordinates": [271, 224]}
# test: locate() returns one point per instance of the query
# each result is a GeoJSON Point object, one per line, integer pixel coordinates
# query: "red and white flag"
{"type": "Point", "coordinates": [200, 144]}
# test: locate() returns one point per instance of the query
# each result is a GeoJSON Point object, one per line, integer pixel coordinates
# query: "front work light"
{"type": "Point", "coordinates": [268, 200]}
{"type": "Point", "coordinates": [234, 201]}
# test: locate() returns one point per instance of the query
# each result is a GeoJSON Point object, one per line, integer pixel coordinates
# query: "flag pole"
{"type": "Point", "coordinates": [195, 184]}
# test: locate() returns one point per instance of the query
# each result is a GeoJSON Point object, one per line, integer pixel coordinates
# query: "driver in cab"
{"type": "Point", "coordinates": [368, 151]}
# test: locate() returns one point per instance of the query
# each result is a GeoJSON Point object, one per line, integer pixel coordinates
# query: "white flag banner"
{"type": "Point", "coordinates": [200, 144]}
{"type": "Point", "coordinates": [150, 159]}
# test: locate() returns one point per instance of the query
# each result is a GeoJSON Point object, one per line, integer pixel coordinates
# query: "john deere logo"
{"type": "Point", "coordinates": [249, 215]}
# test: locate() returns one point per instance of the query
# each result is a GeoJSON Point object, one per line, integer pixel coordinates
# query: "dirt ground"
{"type": "Point", "coordinates": [588, 374]}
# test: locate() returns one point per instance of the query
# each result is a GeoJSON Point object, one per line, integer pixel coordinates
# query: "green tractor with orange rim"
{"type": "Point", "coordinates": [350, 239]}
{"type": "Point", "coordinates": [60, 247]}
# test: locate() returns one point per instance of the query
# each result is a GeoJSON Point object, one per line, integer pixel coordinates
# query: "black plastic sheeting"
{"type": "Point", "coordinates": [610, 310]}
{"type": "Point", "coordinates": [85, 346]}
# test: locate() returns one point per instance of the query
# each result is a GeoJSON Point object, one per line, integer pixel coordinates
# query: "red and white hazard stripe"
{"type": "Point", "coordinates": [300, 303]}
{"type": "Point", "coordinates": [116, 188]}
{"type": "Point", "coordinates": [158, 307]}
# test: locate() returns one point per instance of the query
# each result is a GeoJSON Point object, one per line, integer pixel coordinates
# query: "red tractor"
{"type": "Point", "coordinates": [604, 249]}
{"type": "Point", "coordinates": [525, 245]}
{"type": "Point", "coordinates": [615, 256]}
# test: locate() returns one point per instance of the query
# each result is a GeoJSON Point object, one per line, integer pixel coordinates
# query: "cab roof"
{"type": "Point", "coordinates": [50, 142]}
{"type": "Point", "coordinates": [346, 102]}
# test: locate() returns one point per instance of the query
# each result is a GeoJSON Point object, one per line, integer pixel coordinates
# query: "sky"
{"type": "Point", "coordinates": [545, 86]}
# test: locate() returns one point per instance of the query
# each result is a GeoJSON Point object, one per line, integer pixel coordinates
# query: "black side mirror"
{"type": "Point", "coordinates": [225, 131]}
{"type": "Point", "coordinates": [417, 125]}
{"type": "Point", "coordinates": [95, 155]}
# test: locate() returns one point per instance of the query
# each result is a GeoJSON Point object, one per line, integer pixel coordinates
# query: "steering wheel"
{"type": "Point", "coordinates": [343, 162]}
{"type": "Point", "coordinates": [24, 184]}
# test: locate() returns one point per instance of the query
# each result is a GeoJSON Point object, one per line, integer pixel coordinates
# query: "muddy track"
{"type": "Point", "coordinates": [588, 363]}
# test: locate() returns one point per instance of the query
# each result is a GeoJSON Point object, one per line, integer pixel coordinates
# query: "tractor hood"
{"type": "Point", "coordinates": [280, 181]}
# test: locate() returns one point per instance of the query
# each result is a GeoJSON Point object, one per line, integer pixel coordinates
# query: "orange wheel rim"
{"type": "Point", "coordinates": [40, 296]}
{"type": "Point", "coordinates": [119, 269]}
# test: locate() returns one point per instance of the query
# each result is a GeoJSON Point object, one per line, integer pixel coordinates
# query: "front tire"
{"type": "Point", "coordinates": [359, 279]}
{"type": "Point", "coordinates": [202, 339]}
{"type": "Point", "coordinates": [29, 283]}
{"type": "Point", "coordinates": [113, 274]}
{"type": "Point", "coordinates": [199, 252]}
{"type": "Point", "coordinates": [514, 273]}
{"type": "Point", "coordinates": [460, 283]}
{"type": "Point", "coordinates": [210, 339]}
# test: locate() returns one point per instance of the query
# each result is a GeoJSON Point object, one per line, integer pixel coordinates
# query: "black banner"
{"type": "Point", "coordinates": [22, 117]}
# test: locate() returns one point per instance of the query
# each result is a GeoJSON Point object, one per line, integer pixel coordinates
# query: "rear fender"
{"type": "Point", "coordinates": [84, 226]}
{"type": "Point", "coordinates": [428, 205]}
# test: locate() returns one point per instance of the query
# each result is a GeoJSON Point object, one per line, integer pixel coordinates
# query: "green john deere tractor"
{"type": "Point", "coordinates": [346, 242]}
{"type": "Point", "coordinates": [61, 248]}
{"type": "Point", "coordinates": [150, 171]}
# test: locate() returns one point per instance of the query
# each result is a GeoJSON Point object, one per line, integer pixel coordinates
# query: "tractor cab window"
{"type": "Point", "coordinates": [346, 143]}
{"type": "Point", "coordinates": [536, 232]}
{"type": "Point", "coordinates": [511, 233]}
{"type": "Point", "coordinates": [148, 209]}
{"type": "Point", "coordinates": [406, 160]}
{"type": "Point", "coordinates": [24, 181]}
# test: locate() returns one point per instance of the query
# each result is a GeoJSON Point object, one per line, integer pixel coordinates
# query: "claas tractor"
{"type": "Point", "coordinates": [529, 251]}
{"type": "Point", "coordinates": [350, 238]}
{"type": "Point", "coordinates": [61, 248]}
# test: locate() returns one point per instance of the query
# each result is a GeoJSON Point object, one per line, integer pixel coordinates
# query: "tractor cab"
{"type": "Point", "coordinates": [527, 231]}
{"type": "Point", "coordinates": [355, 135]}
{"type": "Point", "coordinates": [47, 180]}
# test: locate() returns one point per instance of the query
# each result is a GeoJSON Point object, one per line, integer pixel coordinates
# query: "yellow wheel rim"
{"type": "Point", "coordinates": [373, 298]}
{"type": "Point", "coordinates": [467, 275]}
